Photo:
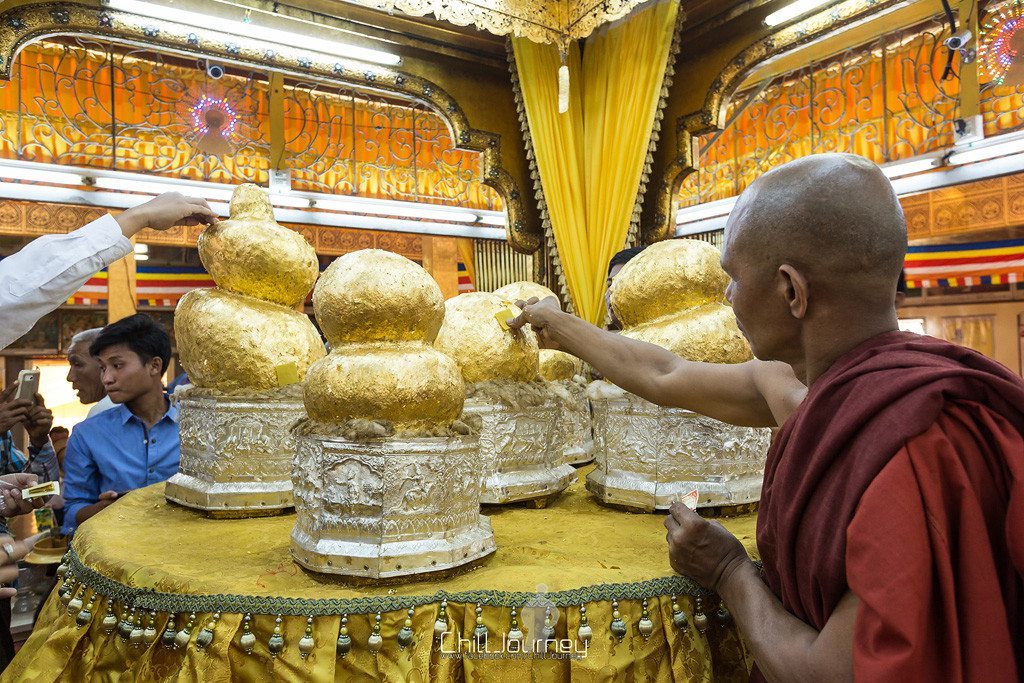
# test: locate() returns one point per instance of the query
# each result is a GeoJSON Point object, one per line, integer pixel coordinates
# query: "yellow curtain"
{"type": "Point", "coordinates": [591, 159]}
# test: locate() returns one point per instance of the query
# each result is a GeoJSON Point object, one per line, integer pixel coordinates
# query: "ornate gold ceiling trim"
{"type": "Point", "coordinates": [28, 23]}
{"type": "Point", "coordinates": [556, 23]}
{"type": "Point", "coordinates": [711, 116]}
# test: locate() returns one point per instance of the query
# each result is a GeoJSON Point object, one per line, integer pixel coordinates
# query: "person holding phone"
{"type": "Point", "coordinates": [48, 270]}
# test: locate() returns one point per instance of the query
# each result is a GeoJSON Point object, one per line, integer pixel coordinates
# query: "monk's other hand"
{"type": "Point", "coordinates": [541, 315]}
{"type": "Point", "coordinates": [701, 549]}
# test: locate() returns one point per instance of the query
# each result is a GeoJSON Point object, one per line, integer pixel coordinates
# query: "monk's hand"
{"type": "Point", "coordinates": [701, 549]}
{"type": "Point", "coordinates": [541, 315]}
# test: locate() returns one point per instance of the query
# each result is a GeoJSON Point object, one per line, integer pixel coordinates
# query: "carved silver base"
{"type": "Point", "coordinates": [572, 435]}
{"type": "Point", "coordinates": [236, 455]}
{"type": "Point", "coordinates": [388, 508]}
{"type": "Point", "coordinates": [516, 452]}
{"type": "Point", "coordinates": [648, 457]}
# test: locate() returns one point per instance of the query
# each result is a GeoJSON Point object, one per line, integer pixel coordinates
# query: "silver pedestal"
{"type": "Point", "coordinates": [649, 457]}
{"type": "Point", "coordinates": [573, 436]}
{"type": "Point", "coordinates": [516, 451]}
{"type": "Point", "coordinates": [236, 455]}
{"type": "Point", "coordinates": [388, 508]}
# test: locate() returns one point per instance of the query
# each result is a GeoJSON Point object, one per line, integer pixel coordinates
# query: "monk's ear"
{"type": "Point", "coordinates": [795, 289]}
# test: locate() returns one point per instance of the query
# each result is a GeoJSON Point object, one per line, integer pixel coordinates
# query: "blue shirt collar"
{"type": "Point", "coordinates": [124, 414]}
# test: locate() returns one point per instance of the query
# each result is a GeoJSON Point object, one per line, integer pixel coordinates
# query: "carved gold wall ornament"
{"type": "Point", "coordinates": [22, 25]}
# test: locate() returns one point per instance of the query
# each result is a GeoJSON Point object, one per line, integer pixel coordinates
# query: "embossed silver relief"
{"type": "Point", "coordinates": [388, 508]}
{"type": "Point", "coordinates": [517, 452]}
{"type": "Point", "coordinates": [648, 456]}
{"type": "Point", "coordinates": [236, 454]}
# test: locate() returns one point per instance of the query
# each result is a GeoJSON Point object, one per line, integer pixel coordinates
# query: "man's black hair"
{"type": "Point", "coordinates": [141, 334]}
{"type": "Point", "coordinates": [624, 257]}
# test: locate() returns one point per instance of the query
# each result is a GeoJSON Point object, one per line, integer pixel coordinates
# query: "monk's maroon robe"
{"type": "Point", "coordinates": [901, 478]}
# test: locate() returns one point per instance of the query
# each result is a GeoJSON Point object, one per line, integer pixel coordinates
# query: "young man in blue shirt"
{"type": "Point", "coordinates": [134, 444]}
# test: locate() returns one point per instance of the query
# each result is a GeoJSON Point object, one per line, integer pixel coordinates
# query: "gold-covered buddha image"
{"type": "Point", "coordinates": [484, 350]}
{"type": "Point", "coordinates": [246, 347]}
{"type": "Point", "coordinates": [386, 477]}
{"type": "Point", "coordinates": [381, 313]}
{"type": "Point", "coordinates": [673, 295]}
{"type": "Point", "coordinates": [554, 365]}
{"type": "Point", "coordinates": [234, 337]}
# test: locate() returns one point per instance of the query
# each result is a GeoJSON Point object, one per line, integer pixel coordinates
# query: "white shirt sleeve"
{"type": "Point", "coordinates": [50, 269]}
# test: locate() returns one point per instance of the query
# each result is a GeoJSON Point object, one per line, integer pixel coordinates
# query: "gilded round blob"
{"type": "Point", "coordinates": [554, 365]}
{"type": "Point", "coordinates": [234, 343]}
{"type": "Point", "coordinates": [251, 254]}
{"type": "Point", "coordinates": [410, 384]}
{"type": "Point", "coordinates": [523, 290]}
{"type": "Point", "coordinates": [706, 333]}
{"type": "Point", "coordinates": [377, 295]}
{"type": "Point", "coordinates": [483, 349]}
{"type": "Point", "coordinates": [667, 277]}
{"type": "Point", "coordinates": [559, 365]}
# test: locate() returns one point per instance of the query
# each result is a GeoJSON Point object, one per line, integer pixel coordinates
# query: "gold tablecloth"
{"type": "Point", "coordinates": [165, 560]}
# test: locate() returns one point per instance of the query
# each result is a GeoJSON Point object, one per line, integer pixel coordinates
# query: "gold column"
{"type": "Point", "coordinates": [441, 260]}
{"type": "Point", "coordinates": [970, 88]}
{"type": "Point", "coordinates": [121, 298]}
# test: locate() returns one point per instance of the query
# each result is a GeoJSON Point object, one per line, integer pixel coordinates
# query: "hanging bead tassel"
{"type": "Point", "coordinates": [205, 636]}
{"type": "Point", "coordinates": [722, 616]}
{"type": "Point", "coordinates": [344, 639]}
{"type": "Point", "coordinates": [645, 626]}
{"type": "Point", "coordinates": [441, 623]}
{"type": "Point", "coordinates": [306, 641]}
{"type": "Point", "coordinates": [109, 622]}
{"type": "Point", "coordinates": [618, 626]}
{"type": "Point", "coordinates": [149, 635]}
{"type": "Point", "coordinates": [700, 620]}
{"type": "Point", "coordinates": [75, 603]}
{"type": "Point", "coordinates": [514, 632]}
{"type": "Point", "coordinates": [549, 629]}
{"type": "Point", "coordinates": [185, 634]}
{"type": "Point", "coordinates": [563, 85]}
{"type": "Point", "coordinates": [679, 616]}
{"type": "Point", "coordinates": [124, 629]}
{"type": "Point", "coordinates": [276, 642]}
{"type": "Point", "coordinates": [66, 590]}
{"type": "Point", "coordinates": [247, 640]}
{"type": "Point", "coordinates": [62, 569]}
{"type": "Point", "coordinates": [135, 635]}
{"type": "Point", "coordinates": [374, 643]}
{"type": "Point", "coordinates": [167, 639]}
{"type": "Point", "coordinates": [480, 632]}
{"type": "Point", "coordinates": [85, 616]}
{"type": "Point", "coordinates": [405, 635]}
{"type": "Point", "coordinates": [585, 632]}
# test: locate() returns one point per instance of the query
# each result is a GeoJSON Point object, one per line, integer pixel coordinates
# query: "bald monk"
{"type": "Point", "coordinates": [892, 515]}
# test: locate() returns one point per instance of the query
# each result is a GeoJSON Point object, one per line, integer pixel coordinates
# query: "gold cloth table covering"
{"type": "Point", "coordinates": [161, 559]}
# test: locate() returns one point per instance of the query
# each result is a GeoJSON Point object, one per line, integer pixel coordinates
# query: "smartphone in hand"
{"type": "Point", "coordinates": [28, 385]}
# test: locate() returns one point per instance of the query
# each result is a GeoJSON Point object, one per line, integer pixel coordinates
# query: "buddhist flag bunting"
{"type": "Point", "coordinates": [965, 265]}
{"type": "Point", "coordinates": [465, 281]}
{"type": "Point", "coordinates": [165, 285]}
{"type": "Point", "coordinates": [93, 292]}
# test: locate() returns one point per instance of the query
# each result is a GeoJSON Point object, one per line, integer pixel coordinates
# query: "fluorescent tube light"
{"type": "Point", "coordinates": [40, 175]}
{"type": "Point", "coordinates": [255, 31]}
{"type": "Point", "coordinates": [158, 187]}
{"type": "Point", "coordinates": [793, 10]}
{"type": "Point", "coordinates": [691, 214]}
{"type": "Point", "coordinates": [980, 152]}
{"type": "Point", "coordinates": [395, 209]}
{"type": "Point", "coordinates": [141, 248]}
{"type": "Point", "coordinates": [899, 169]}
{"type": "Point", "coordinates": [289, 201]}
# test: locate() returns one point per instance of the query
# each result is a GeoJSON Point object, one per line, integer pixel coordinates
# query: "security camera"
{"type": "Point", "coordinates": [959, 41]}
{"type": "Point", "coordinates": [214, 70]}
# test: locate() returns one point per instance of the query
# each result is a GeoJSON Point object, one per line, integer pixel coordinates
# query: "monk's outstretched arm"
{"type": "Point", "coordinates": [784, 647]}
{"type": "Point", "coordinates": [753, 394]}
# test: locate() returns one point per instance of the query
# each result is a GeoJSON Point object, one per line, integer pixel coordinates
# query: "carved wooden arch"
{"type": "Point", "coordinates": [711, 116]}
{"type": "Point", "coordinates": [25, 24]}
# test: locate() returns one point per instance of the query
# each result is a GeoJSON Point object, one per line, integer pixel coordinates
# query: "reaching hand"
{"type": "Point", "coordinates": [38, 423]}
{"type": "Point", "coordinates": [539, 314]}
{"type": "Point", "coordinates": [11, 502]}
{"type": "Point", "coordinates": [166, 211]}
{"type": "Point", "coordinates": [701, 549]}
{"type": "Point", "coordinates": [12, 412]}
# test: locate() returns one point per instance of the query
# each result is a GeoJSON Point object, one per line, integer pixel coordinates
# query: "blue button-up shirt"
{"type": "Point", "coordinates": [113, 451]}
